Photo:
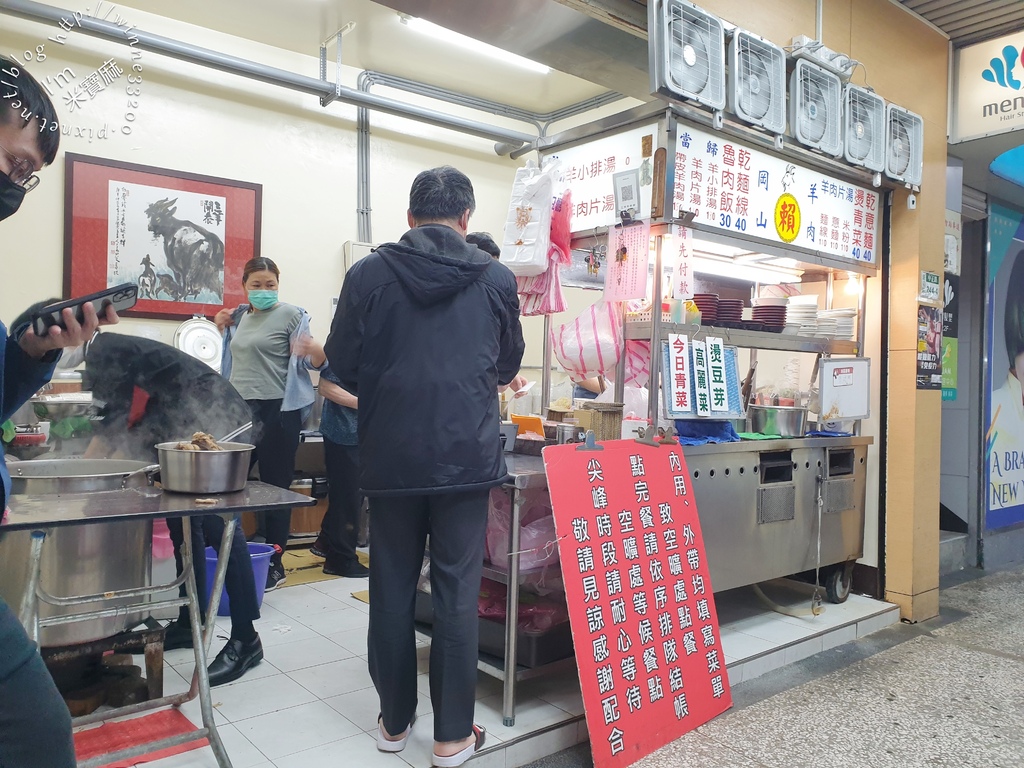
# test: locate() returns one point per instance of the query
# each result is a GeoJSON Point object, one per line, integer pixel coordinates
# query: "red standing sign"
{"type": "Point", "coordinates": [643, 616]}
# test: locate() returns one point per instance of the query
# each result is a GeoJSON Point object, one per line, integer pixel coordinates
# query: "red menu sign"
{"type": "Point", "coordinates": [643, 616]}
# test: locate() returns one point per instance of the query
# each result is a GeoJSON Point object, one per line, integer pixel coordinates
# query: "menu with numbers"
{"type": "Point", "coordinates": [732, 187]}
{"type": "Point", "coordinates": [637, 584]}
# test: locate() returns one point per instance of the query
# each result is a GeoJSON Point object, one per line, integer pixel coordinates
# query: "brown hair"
{"type": "Point", "coordinates": [259, 264]}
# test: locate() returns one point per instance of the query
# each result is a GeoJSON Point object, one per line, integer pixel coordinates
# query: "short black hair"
{"type": "Point", "coordinates": [30, 103]}
{"type": "Point", "coordinates": [1013, 320]}
{"type": "Point", "coordinates": [441, 194]}
{"type": "Point", "coordinates": [484, 242]}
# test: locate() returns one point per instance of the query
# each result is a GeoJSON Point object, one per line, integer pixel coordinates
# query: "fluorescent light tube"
{"type": "Point", "coordinates": [454, 38]}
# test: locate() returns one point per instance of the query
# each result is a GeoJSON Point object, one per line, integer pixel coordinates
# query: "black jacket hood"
{"type": "Point", "coordinates": [434, 262]}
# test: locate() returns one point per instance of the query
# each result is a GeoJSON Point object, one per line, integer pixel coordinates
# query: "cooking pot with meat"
{"type": "Point", "coordinates": [204, 466]}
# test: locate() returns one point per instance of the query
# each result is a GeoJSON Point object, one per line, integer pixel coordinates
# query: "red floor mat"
{"type": "Point", "coordinates": [112, 737]}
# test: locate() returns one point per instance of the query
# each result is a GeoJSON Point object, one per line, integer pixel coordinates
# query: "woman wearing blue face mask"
{"type": "Point", "coordinates": [268, 354]}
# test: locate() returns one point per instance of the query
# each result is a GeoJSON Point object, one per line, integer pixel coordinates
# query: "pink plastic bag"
{"type": "Point", "coordinates": [537, 540]}
{"type": "Point", "coordinates": [592, 344]}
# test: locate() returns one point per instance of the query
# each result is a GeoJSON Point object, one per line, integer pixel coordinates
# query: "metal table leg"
{"type": "Point", "coordinates": [508, 707]}
{"type": "Point", "coordinates": [29, 612]}
{"type": "Point", "coordinates": [200, 643]}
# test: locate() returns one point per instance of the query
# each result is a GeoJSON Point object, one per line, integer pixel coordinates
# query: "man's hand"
{"type": "Point", "coordinates": [307, 346]}
{"type": "Point", "coordinates": [73, 335]}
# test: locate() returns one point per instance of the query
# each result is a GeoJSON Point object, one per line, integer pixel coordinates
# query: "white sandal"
{"type": "Point", "coordinates": [384, 744]}
{"type": "Point", "coordinates": [452, 761]}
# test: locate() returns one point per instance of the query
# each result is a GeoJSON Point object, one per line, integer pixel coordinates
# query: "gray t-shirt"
{"type": "Point", "coordinates": [260, 350]}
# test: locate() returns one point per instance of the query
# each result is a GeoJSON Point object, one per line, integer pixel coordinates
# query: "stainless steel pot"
{"type": "Point", "coordinates": [782, 420]}
{"type": "Point", "coordinates": [204, 471]}
{"type": "Point", "coordinates": [78, 559]}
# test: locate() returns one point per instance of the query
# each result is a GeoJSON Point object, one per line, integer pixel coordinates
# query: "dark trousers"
{"type": "Point", "coordinates": [35, 725]}
{"type": "Point", "coordinates": [399, 526]}
{"type": "Point", "coordinates": [340, 527]}
{"type": "Point", "coordinates": [208, 530]}
{"type": "Point", "coordinates": [277, 441]}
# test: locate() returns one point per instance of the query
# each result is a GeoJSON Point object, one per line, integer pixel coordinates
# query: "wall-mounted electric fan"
{"type": "Point", "coordinates": [864, 128]}
{"type": "Point", "coordinates": [757, 81]}
{"type": "Point", "coordinates": [815, 102]}
{"type": "Point", "coordinates": [904, 140]}
{"type": "Point", "coordinates": [690, 46]}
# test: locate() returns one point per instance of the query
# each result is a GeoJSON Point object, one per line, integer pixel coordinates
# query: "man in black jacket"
{"type": "Point", "coordinates": [426, 330]}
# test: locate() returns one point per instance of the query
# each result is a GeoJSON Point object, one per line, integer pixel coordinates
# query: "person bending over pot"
{"type": "Point", "coordinates": [153, 393]}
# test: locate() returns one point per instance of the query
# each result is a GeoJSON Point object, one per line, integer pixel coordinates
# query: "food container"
{"type": "Point", "coordinates": [63, 406]}
{"type": "Point", "coordinates": [785, 421]}
{"type": "Point", "coordinates": [221, 471]}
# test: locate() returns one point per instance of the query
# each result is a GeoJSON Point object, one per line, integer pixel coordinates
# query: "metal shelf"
{"type": "Point", "coordinates": [494, 666]}
{"type": "Point", "coordinates": [525, 577]}
{"type": "Point", "coordinates": [755, 339]}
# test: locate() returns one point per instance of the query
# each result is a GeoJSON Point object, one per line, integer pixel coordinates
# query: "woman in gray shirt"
{"type": "Point", "coordinates": [268, 353]}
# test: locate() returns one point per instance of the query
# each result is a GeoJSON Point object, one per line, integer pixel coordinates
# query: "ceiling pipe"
{"type": "Point", "coordinates": [27, 9]}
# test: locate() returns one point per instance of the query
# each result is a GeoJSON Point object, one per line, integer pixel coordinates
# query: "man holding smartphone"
{"type": "Point", "coordinates": [35, 726]}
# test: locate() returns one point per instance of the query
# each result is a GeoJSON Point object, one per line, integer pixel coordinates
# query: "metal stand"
{"type": "Point", "coordinates": [29, 616]}
{"type": "Point", "coordinates": [508, 702]}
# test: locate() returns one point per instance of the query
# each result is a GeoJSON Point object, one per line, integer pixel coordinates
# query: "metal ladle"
{"type": "Point", "coordinates": [152, 469]}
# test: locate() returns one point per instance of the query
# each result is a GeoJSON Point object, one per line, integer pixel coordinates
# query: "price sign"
{"type": "Point", "coordinates": [639, 593]}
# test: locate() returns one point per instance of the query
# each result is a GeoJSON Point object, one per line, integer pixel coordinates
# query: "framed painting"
{"type": "Point", "coordinates": [183, 238]}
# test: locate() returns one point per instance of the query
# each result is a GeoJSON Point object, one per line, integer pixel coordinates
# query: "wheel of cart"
{"type": "Point", "coordinates": [838, 580]}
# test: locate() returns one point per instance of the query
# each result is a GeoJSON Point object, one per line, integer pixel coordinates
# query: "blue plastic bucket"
{"type": "Point", "coordinates": [259, 554]}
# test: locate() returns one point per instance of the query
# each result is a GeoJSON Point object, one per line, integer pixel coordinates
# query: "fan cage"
{"type": "Point", "coordinates": [806, 78]}
{"type": "Point", "coordinates": [682, 21]}
{"type": "Point", "coordinates": [913, 128]}
{"type": "Point", "coordinates": [874, 106]}
{"type": "Point", "coordinates": [744, 46]}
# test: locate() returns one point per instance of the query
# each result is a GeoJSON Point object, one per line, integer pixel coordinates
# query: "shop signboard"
{"type": "Point", "coordinates": [589, 171]}
{"type": "Point", "coordinates": [989, 92]}
{"type": "Point", "coordinates": [643, 617]}
{"type": "Point", "coordinates": [950, 333]}
{"type": "Point", "coordinates": [679, 372]}
{"type": "Point", "coordinates": [682, 272]}
{"type": "Point", "coordinates": [734, 188]}
{"type": "Point", "coordinates": [718, 391]}
{"type": "Point", "coordinates": [701, 387]}
{"type": "Point", "coordinates": [1004, 411]}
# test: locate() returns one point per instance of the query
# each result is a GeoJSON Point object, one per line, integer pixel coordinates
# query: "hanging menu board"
{"type": "Point", "coordinates": [590, 168]}
{"type": "Point", "coordinates": [643, 618]}
{"type": "Point", "coordinates": [734, 188]}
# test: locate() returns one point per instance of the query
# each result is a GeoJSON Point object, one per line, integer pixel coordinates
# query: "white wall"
{"type": "Point", "coordinates": [195, 119]}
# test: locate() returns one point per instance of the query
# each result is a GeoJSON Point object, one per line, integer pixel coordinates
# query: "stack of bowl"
{"type": "Point", "coordinates": [707, 303]}
{"type": "Point", "coordinates": [730, 312]}
{"type": "Point", "coordinates": [771, 313]}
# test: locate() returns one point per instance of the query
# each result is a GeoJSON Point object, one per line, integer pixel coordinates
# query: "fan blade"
{"type": "Point", "coordinates": [755, 85]}
{"type": "Point", "coordinates": [899, 149]}
{"type": "Point", "coordinates": [813, 111]}
{"type": "Point", "coordinates": [860, 131]}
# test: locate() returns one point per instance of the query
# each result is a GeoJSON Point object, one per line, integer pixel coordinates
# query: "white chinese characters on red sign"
{"type": "Point", "coordinates": [731, 187]}
{"type": "Point", "coordinates": [640, 602]}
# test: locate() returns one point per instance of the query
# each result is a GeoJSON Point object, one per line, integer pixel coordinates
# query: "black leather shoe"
{"type": "Point", "coordinates": [177, 635]}
{"type": "Point", "coordinates": [354, 570]}
{"type": "Point", "coordinates": [234, 660]}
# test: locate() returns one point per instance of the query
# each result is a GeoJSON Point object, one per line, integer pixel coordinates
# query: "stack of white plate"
{"type": "Point", "coordinates": [838, 323]}
{"type": "Point", "coordinates": [802, 315]}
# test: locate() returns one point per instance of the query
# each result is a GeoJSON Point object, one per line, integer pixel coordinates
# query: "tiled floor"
{"type": "Point", "coordinates": [311, 703]}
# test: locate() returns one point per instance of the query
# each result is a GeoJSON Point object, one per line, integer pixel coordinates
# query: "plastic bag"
{"type": "Point", "coordinates": [537, 539]}
{"type": "Point", "coordinates": [527, 234]}
{"type": "Point", "coordinates": [592, 344]}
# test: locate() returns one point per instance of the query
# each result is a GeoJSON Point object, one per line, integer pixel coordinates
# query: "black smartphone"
{"type": "Point", "coordinates": [122, 297]}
